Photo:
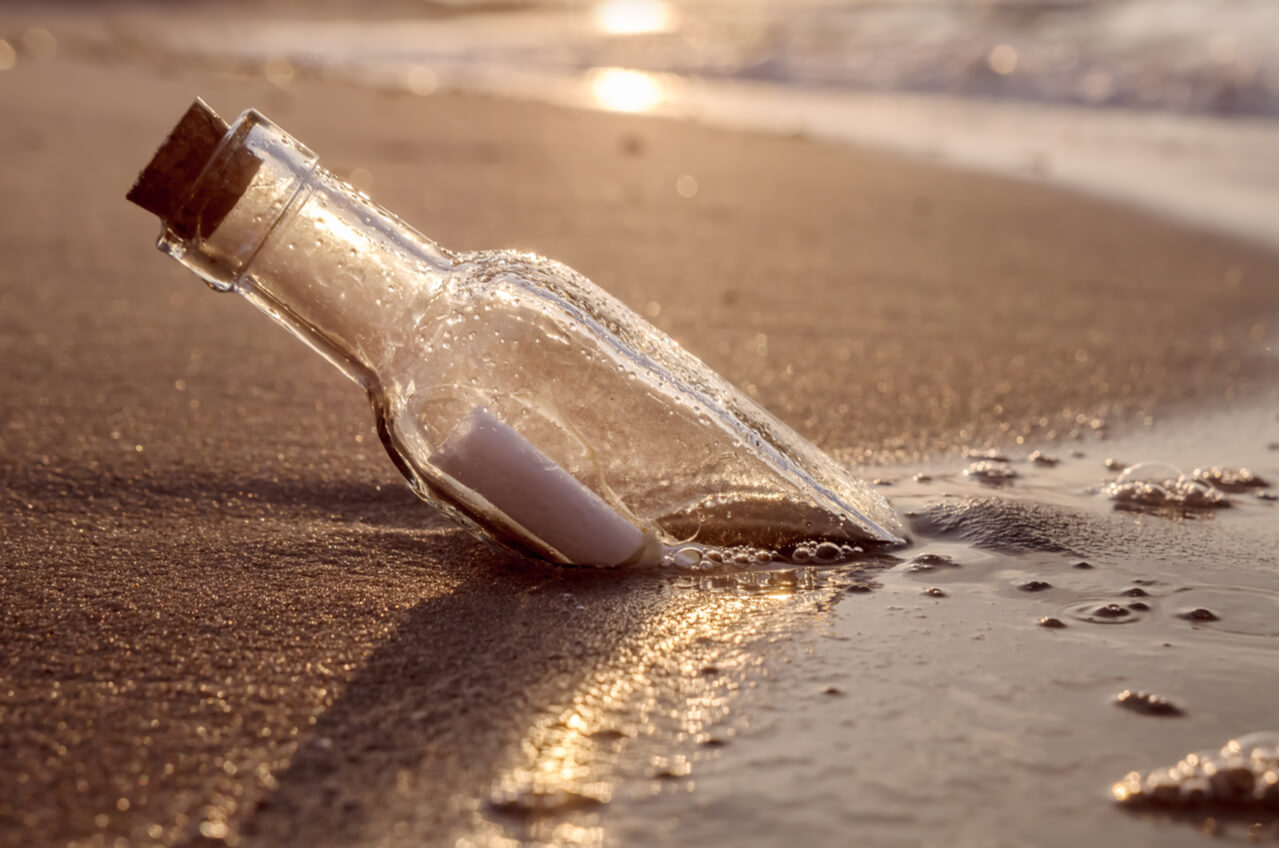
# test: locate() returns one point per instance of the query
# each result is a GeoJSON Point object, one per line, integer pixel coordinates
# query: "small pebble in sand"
{"type": "Point", "coordinates": [632, 144]}
{"type": "Point", "coordinates": [1055, 623]}
{"type": "Point", "coordinates": [1135, 592]}
{"type": "Point", "coordinates": [1139, 606]}
{"type": "Point", "coordinates": [1199, 614]}
{"type": "Point", "coordinates": [922, 478]}
{"type": "Point", "coordinates": [1114, 464]}
{"type": "Point", "coordinates": [1039, 458]}
{"type": "Point", "coordinates": [1082, 564]}
{"type": "Point", "coordinates": [935, 592]}
{"type": "Point", "coordinates": [1147, 703]}
{"type": "Point", "coordinates": [930, 562]}
{"type": "Point", "coordinates": [1034, 586]}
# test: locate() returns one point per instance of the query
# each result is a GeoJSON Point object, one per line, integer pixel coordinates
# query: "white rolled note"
{"type": "Point", "coordinates": [489, 457]}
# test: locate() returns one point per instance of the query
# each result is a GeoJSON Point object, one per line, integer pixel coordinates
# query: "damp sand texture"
{"type": "Point", "coordinates": [227, 620]}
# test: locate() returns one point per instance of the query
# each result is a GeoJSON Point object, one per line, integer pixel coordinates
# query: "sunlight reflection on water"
{"type": "Point", "coordinates": [634, 17]}
{"type": "Point", "coordinates": [622, 90]}
{"type": "Point", "coordinates": [674, 681]}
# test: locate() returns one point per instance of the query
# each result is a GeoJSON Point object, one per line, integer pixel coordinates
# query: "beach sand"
{"type": "Point", "coordinates": [226, 618]}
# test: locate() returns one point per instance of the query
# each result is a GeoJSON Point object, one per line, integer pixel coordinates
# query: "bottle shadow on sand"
{"type": "Point", "coordinates": [315, 661]}
{"type": "Point", "coordinates": [524, 698]}
{"type": "Point", "coordinates": [441, 707]}
{"type": "Point", "coordinates": [470, 671]}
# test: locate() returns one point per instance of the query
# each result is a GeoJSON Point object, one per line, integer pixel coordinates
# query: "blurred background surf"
{"type": "Point", "coordinates": [1198, 56]}
{"type": "Point", "coordinates": [1169, 104]}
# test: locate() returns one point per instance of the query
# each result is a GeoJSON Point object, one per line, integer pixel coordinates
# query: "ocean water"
{"type": "Point", "coordinates": [1197, 56]}
{"type": "Point", "coordinates": [969, 689]}
{"type": "Point", "coordinates": [1167, 104]}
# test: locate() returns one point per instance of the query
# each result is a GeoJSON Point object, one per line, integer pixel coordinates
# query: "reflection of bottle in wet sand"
{"type": "Point", "coordinates": [509, 390]}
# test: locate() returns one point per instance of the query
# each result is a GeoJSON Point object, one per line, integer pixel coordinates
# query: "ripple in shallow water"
{"type": "Point", "coordinates": [1104, 612]}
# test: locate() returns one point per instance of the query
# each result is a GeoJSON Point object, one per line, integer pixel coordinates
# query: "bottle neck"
{"type": "Point", "coordinates": [320, 258]}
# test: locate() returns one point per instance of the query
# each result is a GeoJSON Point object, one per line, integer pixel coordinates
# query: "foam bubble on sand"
{"type": "Point", "coordinates": [1147, 703]}
{"type": "Point", "coordinates": [1241, 774]}
{"type": "Point", "coordinates": [1159, 484]}
{"type": "Point", "coordinates": [1229, 479]}
{"type": "Point", "coordinates": [990, 471]}
{"type": "Point", "coordinates": [694, 557]}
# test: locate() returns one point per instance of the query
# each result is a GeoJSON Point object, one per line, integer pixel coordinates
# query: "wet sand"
{"type": "Point", "coordinates": [226, 619]}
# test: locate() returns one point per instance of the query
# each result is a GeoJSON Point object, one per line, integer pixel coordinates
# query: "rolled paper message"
{"type": "Point", "coordinates": [492, 459]}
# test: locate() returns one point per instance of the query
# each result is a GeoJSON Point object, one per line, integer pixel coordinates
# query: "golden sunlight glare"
{"type": "Point", "coordinates": [622, 90]}
{"type": "Point", "coordinates": [631, 17]}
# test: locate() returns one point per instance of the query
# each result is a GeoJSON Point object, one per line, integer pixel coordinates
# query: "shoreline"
{"type": "Point", "coordinates": [1217, 173]}
{"type": "Point", "coordinates": [229, 619]}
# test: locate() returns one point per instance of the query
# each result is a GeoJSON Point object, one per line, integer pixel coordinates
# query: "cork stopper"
{"type": "Point", "coordinates": [165, 187]}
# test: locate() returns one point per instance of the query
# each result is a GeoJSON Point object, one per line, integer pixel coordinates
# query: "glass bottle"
{"type": "Point", "coordinates": [511, 392]}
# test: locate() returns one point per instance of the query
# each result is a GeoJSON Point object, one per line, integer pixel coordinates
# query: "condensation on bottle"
{"type": "Point", "coordinates": [511, 392]}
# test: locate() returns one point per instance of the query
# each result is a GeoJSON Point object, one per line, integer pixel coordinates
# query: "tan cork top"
{"type": "Point", "coordinates": [165, 186]}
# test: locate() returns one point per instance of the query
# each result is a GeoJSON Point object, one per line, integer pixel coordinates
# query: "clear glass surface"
{"type": "Point", "coordinates": [701, 470]}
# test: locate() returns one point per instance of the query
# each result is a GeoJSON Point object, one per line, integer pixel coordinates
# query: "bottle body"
{"type": "Point", "coordinates": [511, 391]}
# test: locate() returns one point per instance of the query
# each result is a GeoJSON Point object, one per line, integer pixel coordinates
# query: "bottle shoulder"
{"type": "Point", "coordinates": [531, 272]}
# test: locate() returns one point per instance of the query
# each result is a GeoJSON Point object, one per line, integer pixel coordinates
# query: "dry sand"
{"type": "Point", "coordinates": [222, 608]}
